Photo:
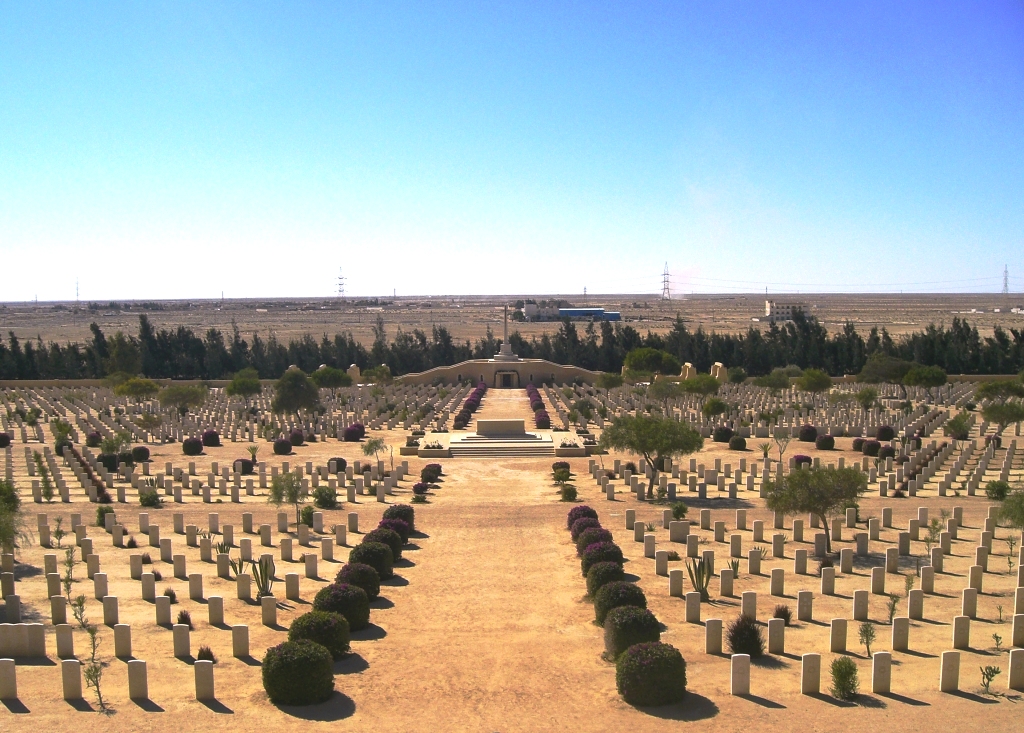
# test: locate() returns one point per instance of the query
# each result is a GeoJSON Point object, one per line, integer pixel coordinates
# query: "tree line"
{"type": "Point", "coordinates": [182, 353]}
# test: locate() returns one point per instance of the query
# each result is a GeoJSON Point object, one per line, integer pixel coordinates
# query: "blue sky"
{"type": "Point", "coordinates": [177, 150]}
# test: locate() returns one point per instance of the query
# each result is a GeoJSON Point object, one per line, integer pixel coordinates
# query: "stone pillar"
{"type": "Point", "coordinates": [828, 581]}
{"type": "Point", "coordinates": [969, 603]}
{"type": "Point", "coordinates": [1015, 678]}
{"type": "Point", "coordinates": [195, 586]}
{"type": "Point", "coordinates": [725, 580]}
{"type": "Point", "coordinates": [881, 673]}
{"type": "Point", "coordinates": [138, 680]}
{"type": "Point", "coordinates": [71, 678]}
{"type": "Point", "coordinates": [8, 680]}
{"type": "Point", "coordinates": [163, 611]}
{"type": "Point", "coordinates": [693, 607]}
{"type": "Point", "coordinates": [1017, 635]}
{"type": "Point", "coordinates": [800, 562]}
{"type": "Point", "coordinates": [805, 605]}
{"type": "Point", "coordinates": [291, 586]}
{"type": "Point", "coordinates": [776, 636]}
{"type": "Point", "coordinates": [878, 581]}
{"type": "Point", "coordinates": [353, 522]}
{"type": "Point", "coordinates": [837, 636]}
{"type": "Point", "coordinates": [65, 641]}
{"type": "Point", "coordinates": [748, 604]}
{"type": "Point", "coordinates": [650, 541]}
{"type": "Point", "coordinates": [860, 605]}
{"type": "Point", "coordinates": [736, 545]}
{"type": "Point", "coordinates": [810, 674]}
{"type": "Point", "coordinates": [961, 632]}
{"type": "Point", "coordinates": [753, 561]}
{"type": "Point", "coordinates": [713, 636]}
{"type": "Point", "coordinates": [182, 641]}
{"type": "Point", "coordinates": [778, 583]}
{"type": "Point", "coordinates": [949, 676]}
{"type": "Point", "coordinates": [739, 677]}
{"type": "Point", "coordinates": [110, 616]}
{"type": "Point", "coordinates": [243, 583]}
{"type": "Point", "coordinates": [148, 587]}
{"type": "Point", "coordinates": [268, 606]}
{"type": "Point", "coordinates": [204, 680]}
{"type": "Point", "coordinates": [122, 641]}
{"type": "Point", "coordinates": [240, 641]}
{"type": "Point", "coordinates": [311, 565]}
{"type": "Point", "coordinates": [675, 582]}
{"type": "Point", "coordinates": [900, 634]}
{"type": "Point", "coordinates": [846, 561]}
{"type": "Point", "coordinates": [58, 610]}
{"type": "Point", "coordinates": [339, 535]}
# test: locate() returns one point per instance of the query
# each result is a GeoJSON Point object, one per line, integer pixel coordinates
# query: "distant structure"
{"type": "Point", "coordinates": [1006, 280]}
{"type": "Point", "coordinates": [589, 314]}
{"type": "Point", "coordinates": [341, 285]}
{"type": "Point", "coordinates": [666, 293]}
{"type": "Point", "coordinates": [775, 310]}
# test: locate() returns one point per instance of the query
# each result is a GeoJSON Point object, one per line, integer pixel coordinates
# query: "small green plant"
{"type": "Point", "coordinates": [306, 516]}
{"type": "Point", "coordinates": [185, 619]}
{"type": "Point", "coordinates": [744, 636]}
{"type": "Point", "coordinates": [673, 555]}
{"type": "Point", "coordinates": [764, 448]}
{"type": "Point", "coordinates": [206, 654]}
{"type": "Point", "coordinates": [568, 492]}
{"type": "Point", "coordinates": [932, 535]}
{"type": "Point", "coordinates": [146, 559]}
{"type": "Point", "coordinates": [735, 565]}
{"type": "Point", "coordinates": [891, 605]}
{"type": "Point", "coordinates": [263, 575]}
{"type": "Point", "coordinates": [649, 526]}
{"type": "Point", "coordinates": [69, 571]}
{"type": "Point", "coordinates": [170, 593]}
{"type": "Point", "coordinates": [679, 510]}
{"type": "Point", "coordinates": [93, 669]}
{"type": "Point", "coordinates": [253, 450]}
{"type": "Point", "coordinates": [44, 477]}
{"type": "Point", "coordinates": [998, 641]}
{"type": "Point", "coordinates": [419, 499]}
{"type": "Point", "coordinates": [78, 611]}
{"type": "Point", "coordinates": [988, 674]}
{"type": "Point", "coordinates": [222, 548]}
{"type": "Point", "coordinates": [762, 551]}
{"type": "Point", "coordinates": [908, 584]}
{"type": "Point", "coordinates": [867, 635]}
{"type": "Point", "coordinates": [131, 544]}
{"type": "Point", "coordinates": [58, 532]}
{"type": "Point", "coordinates": [157, 575]}
{"type": "Point", "coordinates": [844, 678]}
{"type": "Point", "coordinates": [783, 612]}
{"type": "Point", "coordinates": [101, 515]}
{"type": "Point", "coordinates": [150, 499]}
{"type": "Point", "coordinates": [999, 609]}
{"type": "Point", "coordinates": [700, 577]}
{"type": "Point", "coordinates": [1011, 544]}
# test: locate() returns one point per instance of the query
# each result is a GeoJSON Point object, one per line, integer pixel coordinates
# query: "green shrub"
{"type": "Point", "coordinates": [350, 601]}
{"type": "Point", "coordinates": [997, 490]}
{"type": "Point", "coordinates": [745, 637]}
{"type": "Point", "coordinates": [568, 492]}
{"type": "Point", "coordinates": [844, 678]}
{"type": "Point", "coordinates": [737, 442]}
{"type": "Point", "coordinates": [601, 574]}
{"type": "Point", "coordinates": [615, 594]}
{"type": "Point", "coordinates": [324, 497]}
{"type": "Point", "coordinates": [651, 673]}
{"type": "Point", "coordinates": [101, 514]}
{"type": "Point", "coordinates": [402, 511]}
{"type": "Point", "coordinates": [298, 673]}
{"type": "Point", "coordinates": [628, 625]}
{"type": "Point", "coordinates": [388, 537]}
{"type": "Point", "coordinates": [722, 434]}
{"type": "Point", "coordinates": [601, 552]}
{"type": "Point", "coordinates": [358, 574]}
{"type": "Point", "coordinates": [377, 555]}
{"type": "Point", "coordinates": [306, 516]}
{"type": "Point", "coordinates": [327, 628]}
{"type": "Point", "coordinates": [150, 499]}
{"type": "Point", "coordinates": [679, 510]}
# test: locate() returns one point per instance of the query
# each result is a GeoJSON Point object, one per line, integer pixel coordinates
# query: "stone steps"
{"type": "Point", "coordinates": [497, 449]}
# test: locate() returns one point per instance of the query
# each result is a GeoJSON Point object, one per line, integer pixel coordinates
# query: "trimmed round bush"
{"type": "Point", "coordinates": [140, 453]}
{"type": "Point", "coordinates": [651, 673]}
{"type": "Point", "coordinates": [388, 537]}
{"type": "Point", "coordinates": [431, 473]}
{"type": "Point", "coordinates": [296, 437]}
{"type": "Point", "coordinates": [600, 552]}
{"type": "Point", "coordinates": [590, 536]}
{"type": "Point", "coordinates": [737, 443]}
{"type": "Point", "coordinates": [581, 525]}
{"type": "Point", "coordinates": [126, 458]}
{"type": "Point", "coordinates": [326, 628]}
{"type": "Point", "coordinates": [858, 443]}
{"type": "Point", "coordinates": [625, 626]}
{"type": "Point", "coordinates": [802, 460]}
{"type": "Point", "coordinates": [350, 434]}
{"type": "Point", "coordinates": [92, 440]}
{"type": "Point", "coordinates": [871, 448]}
{"type": "Point", "coordinates": [108, 461]}
{"type": "Point", "coordinates": [244, 466]}
{"type": "Point", "coordinates": [885, 433]}
{"type": "Point", "coordinates": [298, 673]}
{"type": "Point", "coordinates": [282, 447]}
{"type": "Point", "coordinates": [601, 574]}
{"type": "Point", "coordinates": [398, 526]}
{"type": "Point", "coordinates": [363, 576]}
{"type": "Point", "coordinates": [377, 555]}
{"type": "Point", "coordinates": [404, 512]}
{"type": "Point", "coordinates": [211, 438]}
{"type": "Point", "coordinates": [578, 512]}
{"type": "Point", "coordinates": [350, 601]}
{"type": "Point", "coordinates": [192, 446]}
{"type": "Point", "coordinates": [337, 465]}
{"type": "Point", "coordinates": [722, 434]}
{"type": "Point", "coordinates": [561, 466]}
{"type": "Point", "coordinates": [808, 434]}
{"type": "Point", "coordinates": [745, 637]}
{"type": "Point", "coordinates": [886, 451]}
{"type": "Point", "coordinates": [615, 594]}
{"type": "Point", "coordinates": [825, 442]}
{"type": "Point", "coordinates": [5, 440]}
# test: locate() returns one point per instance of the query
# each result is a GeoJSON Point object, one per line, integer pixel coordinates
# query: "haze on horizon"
{"type": "Point", "coordinates": [185, 149]}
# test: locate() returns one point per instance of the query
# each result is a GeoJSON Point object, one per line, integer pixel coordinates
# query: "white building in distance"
{"type": "Point", "coordinates": [775, 310]}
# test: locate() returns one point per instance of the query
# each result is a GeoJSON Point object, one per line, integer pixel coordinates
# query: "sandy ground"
{"type": "Point", "coordinates": [487, 627]}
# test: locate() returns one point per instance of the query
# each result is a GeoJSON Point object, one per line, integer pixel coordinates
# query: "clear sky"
{"type": "Point", "coordinates": [177, 150]}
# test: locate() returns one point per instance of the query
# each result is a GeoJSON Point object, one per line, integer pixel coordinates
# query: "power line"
{"type": "Point", "coordinates": [666, 293]}
{"type": "Point", "coordinates": [341, 285]}
{"type": "Point", "coordinates": [1006, 280]}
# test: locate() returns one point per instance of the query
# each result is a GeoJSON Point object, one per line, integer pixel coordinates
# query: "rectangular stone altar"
{"type": "Point", "coordinates": [500, 427]}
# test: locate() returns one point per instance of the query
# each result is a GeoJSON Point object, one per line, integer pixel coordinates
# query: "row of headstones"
{"type": "Point", "coordinates": [138, 681]}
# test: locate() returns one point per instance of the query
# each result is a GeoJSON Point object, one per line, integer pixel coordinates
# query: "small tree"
{"type": "Point", "coordinates": [1012, 511]}
{"type": "Point", "coordinates": [703, 385]}
{"type": "Point", "coordinates": [1003, 414]}
{"type": "Point", "coordinates": [819, 491]}
{"type": "Point", "coordinates": [375, 446]}
{"type": "Point", "coordinates": [294, 391]}
{"type": "Point", "coordinates": [12, 525]}
{"type": "Point", "coordinates": [814, 380]}
{"type": "Point", "coordinates": [714, 406]}
{"type": "Point", "coordinates": [925, 376]}
{"type": "Point", "coordinates": [782, 438]}
{"type": "Point", "coordinates": [867, 397]}
{"type": "Point", "coordinates": [774, 382]}
{"type": "Point", "coordinates": [655, 438]}
{"type": "Point", "coordinates": [328, 377]}
{"type": "Point", "coordinates": [737, 375]}
{"type": "Point", "coordinates": [184, 397]}
{"type": "Point", "coordinates": [664, 390]}
{"type": "Point", "coordinates": [999, 391]}
{"type": "Point", "coordinates": [245, 384]}
{"type": "Point", "coordinates": [959, 429]}
{"type": "Point", "coordinates": [287, 488]}
{"type": "Point", "coordinates": [608, 380]}
{"type": "Point", "coordinates": [137, 388]}
{"type": "Point", "coordinates": [867, 635]}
